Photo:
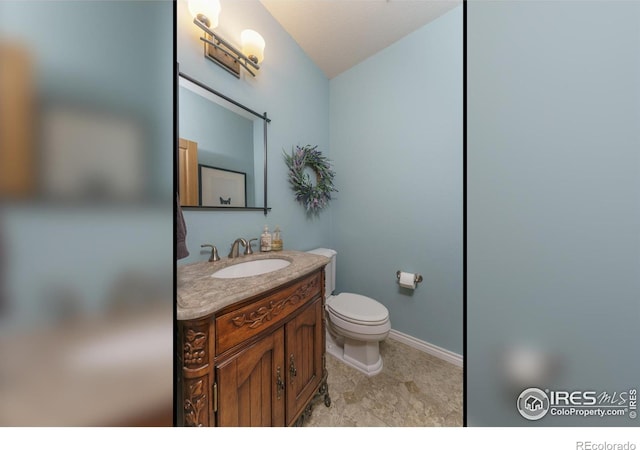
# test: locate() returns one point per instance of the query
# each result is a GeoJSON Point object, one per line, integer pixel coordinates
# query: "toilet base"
{"type": "Point", "coordinates": [363, 356]}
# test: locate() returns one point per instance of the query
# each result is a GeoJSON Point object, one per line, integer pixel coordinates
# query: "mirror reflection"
{"type": "Point", "coordinates": [221, 151]}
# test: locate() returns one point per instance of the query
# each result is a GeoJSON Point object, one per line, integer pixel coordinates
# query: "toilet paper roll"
{"type": "Point", "coordinates": [408, 280]}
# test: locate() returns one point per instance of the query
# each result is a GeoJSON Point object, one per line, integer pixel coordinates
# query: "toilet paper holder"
{"type": "Point", "coordinates": [418, 278]}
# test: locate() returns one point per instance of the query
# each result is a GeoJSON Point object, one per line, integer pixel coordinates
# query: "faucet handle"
{"type": "Point", "coordinates": [248, 250]}
{"type": "Point", "coordinates": [214, 252]}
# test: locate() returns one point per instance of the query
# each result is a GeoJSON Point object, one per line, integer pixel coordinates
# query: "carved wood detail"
{"type": "Point", "coordinates": [265, 314]}
{"type": "Point", "coordinates": [195, 403]}
{"type": "Point", "coordinates": [195, 346]}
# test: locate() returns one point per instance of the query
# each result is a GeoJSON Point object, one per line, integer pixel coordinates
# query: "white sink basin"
{"type": "Point", "coordinates": [251, 268]}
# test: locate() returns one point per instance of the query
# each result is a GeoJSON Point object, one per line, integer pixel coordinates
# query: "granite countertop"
{"type": "Point", "coordinates": [199, 294]}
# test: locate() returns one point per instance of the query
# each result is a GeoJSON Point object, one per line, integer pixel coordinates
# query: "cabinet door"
{"type": "Point", "coordinates": [251, 385]}
{"type": "Point", "coordinates": [304, 351]}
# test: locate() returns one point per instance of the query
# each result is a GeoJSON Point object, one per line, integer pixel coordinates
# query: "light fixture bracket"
{"type": "Point", "coordinates": [221, 52]}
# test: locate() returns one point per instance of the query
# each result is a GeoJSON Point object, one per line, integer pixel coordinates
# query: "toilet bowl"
{"type": "Point", "coordinates": [355, 323]}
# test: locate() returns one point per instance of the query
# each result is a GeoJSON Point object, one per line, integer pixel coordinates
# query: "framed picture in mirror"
{"type": "Point", "coordinates": [222, 188]}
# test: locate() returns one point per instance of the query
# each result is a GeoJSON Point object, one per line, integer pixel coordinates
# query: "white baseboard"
{"type": "Point", "coordinates": [426, 347]}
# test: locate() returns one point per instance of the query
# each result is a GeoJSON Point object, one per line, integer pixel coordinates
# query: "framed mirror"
{"type": "Point", "coordinates": [222, 154]}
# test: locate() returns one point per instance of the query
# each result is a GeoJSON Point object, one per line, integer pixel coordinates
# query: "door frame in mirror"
{"type": "Point", "coordinates": [266, 120]}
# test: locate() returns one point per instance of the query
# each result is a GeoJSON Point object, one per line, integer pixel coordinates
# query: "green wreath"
{"type": "Point", "coordinates": [313, 197]}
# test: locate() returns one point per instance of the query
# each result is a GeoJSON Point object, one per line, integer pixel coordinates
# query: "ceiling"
{"type": "Point", "coordinates": [338, 34]}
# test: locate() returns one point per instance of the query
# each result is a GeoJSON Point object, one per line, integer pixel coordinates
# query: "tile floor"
{"type": "Point", "coordinates": [414, 389]}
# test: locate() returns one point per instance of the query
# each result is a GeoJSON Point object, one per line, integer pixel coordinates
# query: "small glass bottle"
{"type": "Point", "coordinates": [276, 244]}
{"type": "Point", "coordinates": [265, 240]}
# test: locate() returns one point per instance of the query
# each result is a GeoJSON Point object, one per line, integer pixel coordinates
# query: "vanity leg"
{"type": "Point", "coordinates": [324, 390]}
{"type": "Point", "coordinates": [304, 415]}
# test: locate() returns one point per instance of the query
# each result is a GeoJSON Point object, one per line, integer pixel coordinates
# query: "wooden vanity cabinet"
{"type": "Point", "coordinates": [264, 362]}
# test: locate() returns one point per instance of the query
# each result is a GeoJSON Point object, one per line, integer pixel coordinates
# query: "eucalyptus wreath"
{"type": "Point", "coordinates": [316, 196]}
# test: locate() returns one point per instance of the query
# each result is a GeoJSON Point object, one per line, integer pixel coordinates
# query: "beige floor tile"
{"type": "Point", "coordinates": [414, 389]}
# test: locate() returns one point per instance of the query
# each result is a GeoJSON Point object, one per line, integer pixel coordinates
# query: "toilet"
{"type": "Point", "coordinates": [355, 324]}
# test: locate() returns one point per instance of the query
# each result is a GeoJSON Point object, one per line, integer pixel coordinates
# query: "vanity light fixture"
{"type": "Point", "coordinates": [205, 16]}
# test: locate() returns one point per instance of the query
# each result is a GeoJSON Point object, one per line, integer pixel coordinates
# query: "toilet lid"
{"type": "Point", "coordinates": [358, 308]}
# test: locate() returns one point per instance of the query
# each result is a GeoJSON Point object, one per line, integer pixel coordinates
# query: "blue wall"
{"type": "Point", "coordinates": [294, 93]}
{"type": "Point", "coordinates": [553, 200]}
{"type": "Point", "coordinates": [396, 139]}
{"type": "Point", "coordinates": [84, 251]}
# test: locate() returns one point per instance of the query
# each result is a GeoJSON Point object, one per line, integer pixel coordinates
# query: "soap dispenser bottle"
{"type": "Point", "coordinates": [265, 240]}
{"type": "Point", "coordinates": [276, 244]}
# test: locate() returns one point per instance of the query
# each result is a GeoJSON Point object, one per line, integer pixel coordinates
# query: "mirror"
{"type": "Point", "coordinates": [222, 159]}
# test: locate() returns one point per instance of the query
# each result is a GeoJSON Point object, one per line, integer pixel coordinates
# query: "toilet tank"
{"type": "Point", "coordinates": [329, 270]}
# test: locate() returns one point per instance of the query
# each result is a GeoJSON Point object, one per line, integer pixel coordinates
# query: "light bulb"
{"type": "Point", "coordinates": [252, 45]}
{"type": "Point", "coordinates": [208, 8]}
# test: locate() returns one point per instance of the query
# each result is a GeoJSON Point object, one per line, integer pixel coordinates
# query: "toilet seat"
{"type": "Point", "coordinates": [358, 309]}
{"type": "Point", "coordinates": [358, 317]}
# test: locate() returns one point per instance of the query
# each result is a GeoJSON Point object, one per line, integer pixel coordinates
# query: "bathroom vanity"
{"type": "Point", "coordinates": [251, 349]}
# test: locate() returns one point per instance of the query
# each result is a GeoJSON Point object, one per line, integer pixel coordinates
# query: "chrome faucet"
{"type": "Point", "coordinates": [214, 252]}
{"type": "Point", "coordinates": [234, 253]}
{"type": "Point", "coordinates": [249, 250]}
